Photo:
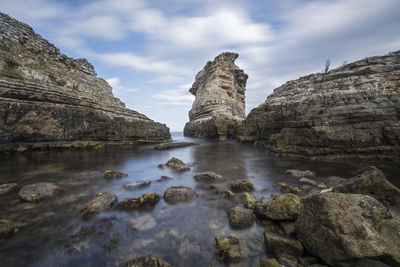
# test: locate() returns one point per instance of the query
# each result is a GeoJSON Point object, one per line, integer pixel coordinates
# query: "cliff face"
{"type": "Point", "coordinates": [47, 97]}
{"type": "Point", "coordinates": [352, 111]}
{"type": "Point", "coordinates": [219, 106]}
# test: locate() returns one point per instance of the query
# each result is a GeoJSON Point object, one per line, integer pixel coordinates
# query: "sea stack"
{"type": "Point", "coordinates": [48, 99]}
{"type": "Point", "coordinates": [219, 106]}
{"type": "Point", "coordinates": [351, 111]}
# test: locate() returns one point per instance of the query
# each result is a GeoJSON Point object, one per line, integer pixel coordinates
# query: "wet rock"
{"type": "Point", "coordinates": [344, 228]}
{"type": "Point", "coordinates": [230, 248]}
{"type": "Point", "coordinates": [137, 185]}
{"type": "Point", "coordinates": [240, 217]}
{"type": "Point", "coordinates": [306, 180]}
{"type": "Point", "coordinates": [101, 203]}
{"type": "Point", "coordinates": [145, 201]}
{"type": "Point", "coordinates": [164, 178]}
{"type": "Point", "coordinates": [299, 173]}
{"type": "Point", "coordinates": [288, 227]}
{"type": "Point", "coordinates": [371, 181]}
{"type": "Point", "coordinates": [8, 188]}
{"type": "Point", "coordinates": [112, 243]}
{"type": "Point", "coordinates": [269, 262]}
{"type": "Point", "coordinates": [187, 249]}
{"type": "Point", "coordinates": [248, 200]}
{"type": "Point", "coordinates": [147, 261]}
{"type": "Point", "coordinates": [80, 179]}
{"type": "Point", "coordinates": [39, 191]}
{"type": "Point", "coordinates": [208, 177]}
{"type": "Point", "coordinates": [334, 180]}
{"type": "Point", "coordinates": [164, 146]}
{"type": "Point", "coordinates": [7, 230]}
{"type": "Point", "coordinates": [177, 164]}
{"type": "Point", "coordinates": [114, 174]}
{"type": "Point", "coordinates": [285, 188]}
{"type": "Point", "coordinates": [283, 208]}
{"type": "Point", "coordinates": [179, 194]}
{"type": "Point", "coordinates": [228, 194]}
{"type": "Point", "coordinates": [241, 185]}
{"type": "Point", "coordinates": [282, 245]}
{"type": "Point", "coordinates": [143, 223]}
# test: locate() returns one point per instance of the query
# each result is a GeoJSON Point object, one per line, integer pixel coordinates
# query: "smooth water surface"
{"type": "Point", "coordinates": [181, 234]}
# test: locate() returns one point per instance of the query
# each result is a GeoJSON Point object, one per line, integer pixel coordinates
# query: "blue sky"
{"type": "Point", "coordinates": [151, 50]}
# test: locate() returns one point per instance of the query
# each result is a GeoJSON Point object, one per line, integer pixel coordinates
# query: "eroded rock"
{"type": "Point", "coordinates": [137, 185]}
{"type": "Point", "coordinates": [300, 173]}
{"type": "Point", "coordinates": [147, 261]}
{"type": "Point", "coordinates": [248, 200]}
{"type": "Point", "coordinates": [230, 248]}
{"type": "Point", "coordinates": [165, 146]}
{"type": "Point", "coordinates": [114, 174]}
{"type": "Point", "coordinates": [241, 185]}
{"type": "Point", "coordinates": [179, 194]}
{"type": "Point", "coordinates": [102, 202]}
{"type": "Point", "coordinates": [8, 188]}
{"type": "Point", "coordinates": [284, 208]}
{"type": "Point", "coordinates": [208, 177]}
{"type": "Point", "coordinates": [177, 164]}
{"type": "Point", "coordinates": [39, 191]}
{"type": "Point", "coordinates": [145, 201]}
{"type": "Point", "coordinates": [240, 217]}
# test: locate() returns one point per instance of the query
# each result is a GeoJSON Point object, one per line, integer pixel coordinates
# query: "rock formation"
{"type": "Point", "coordinates": [48, 99]}
{"type": "Point", "coordinates": [219, 106]}
{"type": "Point", "coordinates": [351, 111]}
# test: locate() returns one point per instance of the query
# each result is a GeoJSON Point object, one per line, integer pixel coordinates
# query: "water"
{"type": "Point", "coordinates": [181, 234]}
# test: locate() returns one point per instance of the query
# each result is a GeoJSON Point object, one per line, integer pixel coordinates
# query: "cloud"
{"type": "Point", "coordinates": [118, 87]}
{"type": "Point", "coordinates": [174, 98]}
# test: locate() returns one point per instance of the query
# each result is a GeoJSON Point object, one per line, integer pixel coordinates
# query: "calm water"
{"type": "Point", "coordinates": [181, 234]}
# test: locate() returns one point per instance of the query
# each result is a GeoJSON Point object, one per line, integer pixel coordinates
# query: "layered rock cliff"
{"type": "Point", "coordinates": [351, 111]}
{"type": "Point", "coordinates": [219, 106]}
{"type": "Point", "coordinates": [49, 99]}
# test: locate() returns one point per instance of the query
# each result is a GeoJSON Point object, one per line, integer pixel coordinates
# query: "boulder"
{"type": "Point", "coordinates": [114, 174]}
{"type": "Point", "coordinates": [145, 201]}
{"type": "Point", "coordinates": [8, 188]}
{"type": "Point", "coordinates": [39, 191]}
{"type": "Point", "coordinates": [208, 177]}
{"type": "Point", "coordinates": [300, 173]}
{"type": "Point", "coordinates": [137, 185]}
{"type": "Point", "coordinates": [177, 164]}
{"type": "Point", "coordinates": [282, 245]}
{"type": "Point", "coordinates": [241, 185]}
{"type": "Point", "coordinates": [248, 200]}
{"type": "Point", "coordinates": [285, 188]}
{"type": "Point", "coordinates": [342, 229]}
{"type": "Point", "coordinates": [101, 203]}
{"type": "Point", "coordinates": [179, 194]}
{"type": "Point", "coordinates": [147, 261]}
{"type": "Point", "coordinates": [230, 248]}
{"type": "Point", "coordinates": [309, 181]}
{"type": "Point", "coordinates": [164, 178]}
{"type": "Point", "coordinates": [283, 208]}
{"type": "Point", "coordinates": [240, 217]}
{"type": "Point", "coordinates": [165, 146]}
{"type": "Point", "coordinates": [269, 262]}
{"type": "Point", "coordinates": [371, 181]}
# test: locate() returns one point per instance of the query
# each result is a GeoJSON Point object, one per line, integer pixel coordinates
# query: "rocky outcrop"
{"type": "Point", "coordinates": [219, 106]}
{"type": "Point", "coordinates": [39, 191]}
{"type": "Point", "coordinates": [50, 100]}
{"type": "Point", "coordinates": [351, 111]}
{"type": "Point", "coordinates": [102, 202]}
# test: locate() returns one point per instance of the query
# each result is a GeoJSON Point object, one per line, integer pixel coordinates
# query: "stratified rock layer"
{"type": "Point", "coordinates": [351, 111]}
{"type": "Point", "coordinates": [219, 107]}
{"type": "Point", "coordinates": [48, 99]}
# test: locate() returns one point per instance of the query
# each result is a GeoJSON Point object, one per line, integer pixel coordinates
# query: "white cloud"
{"type": "Point", "coordinates": [115, 83]}
{"type": "Point", "coordinates": [177, 97]}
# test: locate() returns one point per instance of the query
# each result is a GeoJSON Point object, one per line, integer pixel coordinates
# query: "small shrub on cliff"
{"type": "Point", "coordinates": [10, 69]}
{"type": "Point", "coordinates": [209, 63]}
{"type": "Point", "coordinates": [56, 81]}
{"type": "Point", "coordinates": [61, 82]}
{"type": "Point", "coordinates": [75, 87]}
{"type": "Point", "coordinates": [327, 65]}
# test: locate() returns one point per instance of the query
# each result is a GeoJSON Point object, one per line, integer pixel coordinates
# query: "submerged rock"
{"type": "Point", "coordinates": [282, 245]}
{"type": "Point", "coordinates": [240, 217]}
{"type": "Point", "coordinates": [285, 188]}
{"type": "Point", "coordinates": [143, 223]}
{"type": "Point", "coordinates": [208, 177]}
{"type": "Point", "coordinates": [39, 191]}
{"type": "Point", "coordinates": [230, 248]}
{"type": "Point", "coordinates": [241, 185]}
{"type": "Point", "coordinates": [164, 146]}
{"type": "Point", "coordinates": [114, 174]}
{"type": "Point", "coordinates": [137, 185]}
{"type": "Point", "coordinates": [248, 200]}
{"type": "Point", "coordinates": [101, 203]}
{"type": "Point", "coordinates": [164, 178]}
{"type": "Point", "coordinates": [306, 180]}
{"type": "Point", "coordinates": [148, 200]}
{"type": "Point", "coordinates": [147, 261]}
{"type": "Point", "coordinates": [219, 106]}
{"type": "Point", "coordinates": [177, 164]}
{"type": "Point", "coordinates": [283, 208]}
{"type": "Point", "coordinates": [179, 194]}
{"type": "Point", "coordinates": [299, 173]}
{"type": "Point", "coordinates": [8, 188]}
{"type": "Point", "coordinates": [269, 262]}
{"type": "Point", "coordinates": [7, 230]}
{"type": "Point", "coordinates": [371, 181]}
{"type": "Point", "coordinates": [342, 229]}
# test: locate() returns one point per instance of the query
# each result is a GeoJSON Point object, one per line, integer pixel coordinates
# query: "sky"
{"type": "Point", "coordinates": [151, 50]}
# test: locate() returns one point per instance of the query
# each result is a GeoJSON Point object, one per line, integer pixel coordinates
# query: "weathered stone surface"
{"type": "Point", "coordinates": [269, 262]}
{"type": "Point", "coordinates": [283, 208]}
{"type": "Point", "coordinates": [137, 185]}
{"type": "Point", "coordinates": [219, 106]}
{"type": "Point", "coordinates": [143, 223]}
{"type": "Point", "coordinates": [282, 245]}
{"type": "Point", "coordinates": [145, 201]}
{"type": "Point", "coordinates": [165, 146]}
{"type": "Point", "coordinates": [241, 185]}
{"type": "Point", "coordinates": [177, 164]}
{"type": "Point", "coordinates": [341, 229]}
{"type": "Point", "coordinates": [240, 217]}
{"type": "Point", "coordinates": [50, 100]}
{"type": "Point", "coordinates": [208, 177]}
{"type": "Point", "coordinates": [39, 191]}
{"type": "Point", "coordinates": [230, 248]}
{"type": "Point", "coordinates": [147, 261]}
{"type": "Point", "coordinates": [101, 203]}
{"type": "Point", "coordinates": [306, 180]}
{"type": "Point", "coordinates": [8, 188]}
{"type": "Point", "coordinates": [300, 173]}
{"type": "Point", "coordinates": [286, 188]}
{"type": "Point", "coordinates": [352, 111]}
{"type": "Point", "coordinates": [248, 200]}
{"type": "Point", "coordinates": [179, 194]}
{"type": "Point", "coordinates": [114, 174]}
{"type": "Point", "coordinates": [371, 181]}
